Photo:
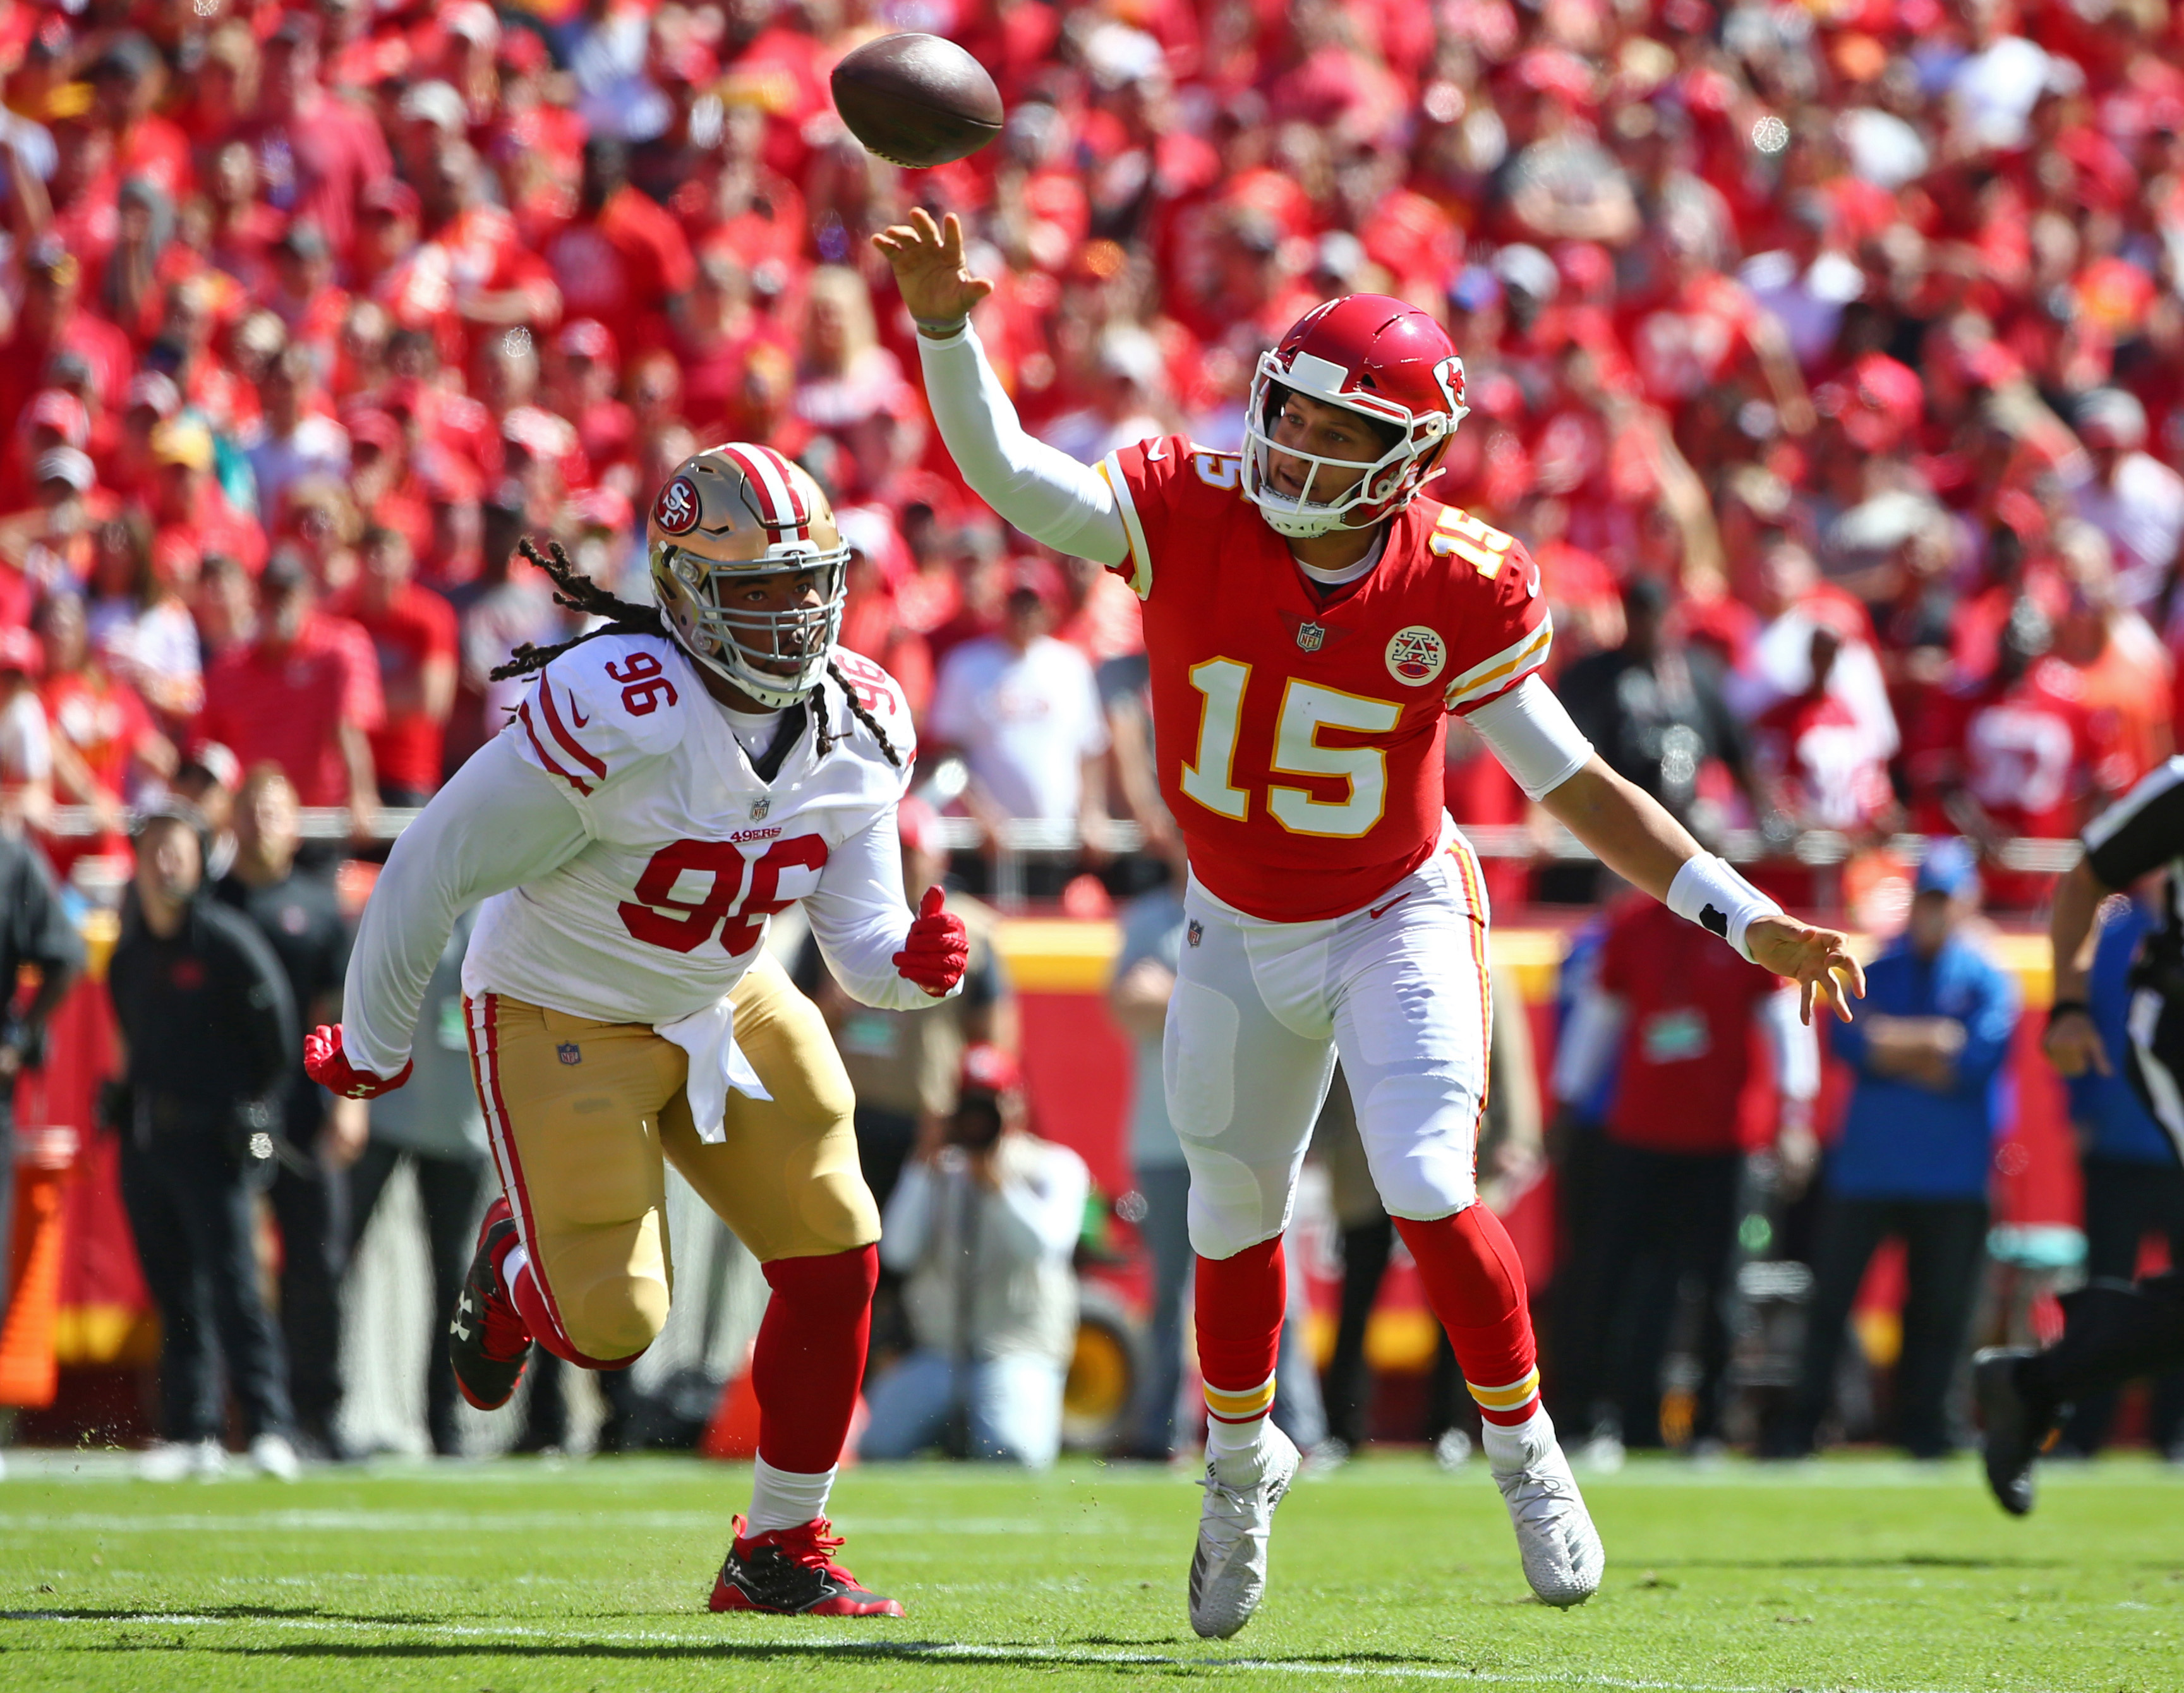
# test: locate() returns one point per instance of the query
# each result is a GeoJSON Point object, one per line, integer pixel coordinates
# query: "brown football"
{"type": "Point", "coordinates": [917, 100]}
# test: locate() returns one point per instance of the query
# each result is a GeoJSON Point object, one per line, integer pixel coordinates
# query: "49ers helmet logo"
{"type": "Point", "coordinates": [1416, 655]}
{"type": "Point", "coordinates": [677, 511]}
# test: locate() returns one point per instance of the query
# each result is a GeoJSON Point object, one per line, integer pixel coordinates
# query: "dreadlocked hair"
{"type": "Point", "coordinates": [579, 592]}
{"type": "Point", "coordinates": [827, 738]}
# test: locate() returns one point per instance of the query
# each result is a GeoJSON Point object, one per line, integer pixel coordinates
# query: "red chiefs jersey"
{"type": "Point", "coordinates": [1300, 736]}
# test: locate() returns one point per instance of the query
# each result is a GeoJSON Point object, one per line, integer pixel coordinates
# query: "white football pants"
{"type": "Point", "coordinates": [1262, 1009]}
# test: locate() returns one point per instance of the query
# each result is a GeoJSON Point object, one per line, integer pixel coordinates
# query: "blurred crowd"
{"type": "Point", "coordinates": [1826, 356]}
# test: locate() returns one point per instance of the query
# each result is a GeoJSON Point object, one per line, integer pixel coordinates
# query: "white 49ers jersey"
{"type": "Point", "coordinates": [688, 851]}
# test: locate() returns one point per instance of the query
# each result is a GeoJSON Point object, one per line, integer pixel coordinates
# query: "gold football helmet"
{"type": "Point", "coordinates": [731, 514]}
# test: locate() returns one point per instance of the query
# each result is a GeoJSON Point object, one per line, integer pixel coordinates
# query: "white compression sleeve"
{"type": "Point", "coordinates": [859, 919]}
{"type": "Point", "coordinates": [499, 823]}
{"type": "Point", "coordinates": [1040, 490]}
{"type": "Point", "coordinates": [1532, 735]}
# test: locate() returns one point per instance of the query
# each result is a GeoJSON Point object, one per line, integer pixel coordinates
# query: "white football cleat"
{"type": "Point", "coordinates": [176, 1460]}
{"type": "Point", "coordinates": [273, 1458]}
{"type": "Point", "coordinates": [1562, 1556]}
{"type": "Point", "coordinates": [1228, 1570]}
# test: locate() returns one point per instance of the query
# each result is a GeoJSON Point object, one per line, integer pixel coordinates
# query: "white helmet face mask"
{"type": "Point", "coordinates": [736, 514]}
{"type": "Point", "coordinates": [1300, 516]}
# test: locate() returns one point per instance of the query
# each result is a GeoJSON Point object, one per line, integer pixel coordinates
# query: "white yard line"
{"type": "Point", "coordinates": [501, 1522]}
{"type": "Point", "coordinates": [942, 1652]}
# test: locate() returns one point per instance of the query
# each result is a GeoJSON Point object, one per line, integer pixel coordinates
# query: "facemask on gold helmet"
{"type": "Point", "coordinates": [727, 516]}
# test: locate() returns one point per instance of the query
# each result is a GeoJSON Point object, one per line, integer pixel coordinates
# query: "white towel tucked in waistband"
{"type": "Point", "coordinates": [717, 1064]}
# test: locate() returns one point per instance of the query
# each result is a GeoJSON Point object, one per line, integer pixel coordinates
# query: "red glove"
{"type": "Point", "coordinates": [326, 1064]}
{"type": "Point", "coordinates": [938, 948]}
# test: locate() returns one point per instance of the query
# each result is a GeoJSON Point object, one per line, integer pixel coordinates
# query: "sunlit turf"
{"type": "Point", "coordinates": [1850, 1574]}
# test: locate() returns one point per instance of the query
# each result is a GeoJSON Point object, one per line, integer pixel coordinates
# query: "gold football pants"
{"type": "Point", "coordinates": [582, 1114]}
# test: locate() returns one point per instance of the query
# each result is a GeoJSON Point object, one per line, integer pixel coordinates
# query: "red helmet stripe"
{"type": "Point", "coordinates": [782, 505]}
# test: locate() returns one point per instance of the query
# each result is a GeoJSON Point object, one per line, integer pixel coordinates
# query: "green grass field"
{"type": "Point", "coordinates": [519, 1576]}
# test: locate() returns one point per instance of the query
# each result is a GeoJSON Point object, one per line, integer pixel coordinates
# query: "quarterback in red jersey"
{"type": "Point", "coordinates": [1310, 622]}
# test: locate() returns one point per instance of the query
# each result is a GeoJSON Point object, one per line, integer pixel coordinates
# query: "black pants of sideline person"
{"type": "Point", "coordinates": [1664, 1218]}
{"type": "Point", "coordinates": [310, 1204]}
{"type": "Point", "coordinates": [192, 1214]}
{"type": "Point", "coordinates": [449, 1192]}
{"type": "Point", "coordinates": [1944, 1244]}
{"type": "Point", "coordinates": [2125, 1203]}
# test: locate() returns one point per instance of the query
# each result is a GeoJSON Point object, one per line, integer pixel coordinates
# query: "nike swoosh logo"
{"type": "Point", "coordinates": [580, 721]}
{"type": "Point", "coordinates": [1389, 906]}
{"type": "Point", "coordinates": [1153, 454]}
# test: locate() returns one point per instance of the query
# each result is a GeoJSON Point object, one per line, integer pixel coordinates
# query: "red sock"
{"type": "Point", "coordinates": [810, 1356]}
{"type": "Point", "coordinates": [538, 1316]}
{"type": "Point", "coordinates": [1475, 1285]}
{"type": "Point", "coordinates": [1239, 1308]}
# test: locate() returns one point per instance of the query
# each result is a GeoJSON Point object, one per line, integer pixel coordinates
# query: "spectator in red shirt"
{"type": "Point", "coordinates": [49, 322]}
{"type": "Point", "coordinates": [620, 259]}
{"type": "Point", "coordinates": [2017, 754]}
{"type": "Point", "coordinates": [105, 742]}
{"type": "Point", "coordinates": [192, 515]}
{"type": "Point", "coordinates": [1675, 1010]}
{"type": "Point", "coordinates": [316, 153]}
{"type": "Point", "coordinates": [127, 80]}
{"type": "Point", "coordinates": [300, 695]}
{"type": "Point", "coordinates": [413, 631]}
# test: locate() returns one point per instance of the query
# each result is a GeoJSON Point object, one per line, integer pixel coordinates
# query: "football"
{"type": "Point", "coordinates": [917, 100]}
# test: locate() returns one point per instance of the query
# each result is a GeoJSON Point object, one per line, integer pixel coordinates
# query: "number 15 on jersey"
{"type": "Point", "coordinates": [1306, 708]}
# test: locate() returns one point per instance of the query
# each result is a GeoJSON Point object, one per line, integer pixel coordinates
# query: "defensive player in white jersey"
{"type": "Point", "coordinates": [674, 779]}
{"type": "Point", "coordinates": [1310, 620]}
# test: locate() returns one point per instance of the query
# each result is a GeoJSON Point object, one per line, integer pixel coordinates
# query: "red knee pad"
{"type": "Point", "coordinates": [809, 1359]}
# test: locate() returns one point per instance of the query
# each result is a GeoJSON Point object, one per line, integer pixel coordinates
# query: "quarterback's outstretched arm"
{"type": "Point", "coordinates": [1634, 837]}
{"type": "Point", "coordinates": [499, 823]}
{"type": "Point", "coordinates": [1042, 491]}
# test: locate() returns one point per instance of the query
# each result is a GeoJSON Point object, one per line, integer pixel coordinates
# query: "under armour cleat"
{"type": "Point", "coordinates": [792, 1573]}
{"type": "Point", "coordinates": [487, 1343]}
{"type": "Point", "coordinates": [1228, 1569]}
{"type": "Point", "coordinates": [2012, 1429]}
{"type": "Point", "coordinates": [1564, 1559]}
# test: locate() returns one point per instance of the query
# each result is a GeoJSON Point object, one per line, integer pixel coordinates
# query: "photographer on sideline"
{"type": "Point", "coordinates": [983, 1224]}
{"type": "Point", "coordinates": [208, 1032]}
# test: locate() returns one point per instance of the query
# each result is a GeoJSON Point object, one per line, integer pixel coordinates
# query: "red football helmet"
{"type": "Point", "coordinates": [1381, 359]}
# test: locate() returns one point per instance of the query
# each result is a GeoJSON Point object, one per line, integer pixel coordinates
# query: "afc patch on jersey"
{"type": "Point", "coordinates": [1416, 655]}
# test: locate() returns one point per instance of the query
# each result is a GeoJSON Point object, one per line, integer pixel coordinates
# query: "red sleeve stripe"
{"type": "Point", "coordinates": [559, 731]}
{"type": "Point", "coordinates": [523, 715]}
{"type": "Point", "coordinates": [776, 490]}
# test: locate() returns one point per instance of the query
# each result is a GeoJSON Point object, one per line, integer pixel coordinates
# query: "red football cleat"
{"type": "Point", "coordinates": [792, 1573]}
{"type": "Point", "coordinates": [487, 1343]}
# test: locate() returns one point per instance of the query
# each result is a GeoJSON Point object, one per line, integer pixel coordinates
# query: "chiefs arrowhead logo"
{"type": "Point", "coordinates": [676, 510]}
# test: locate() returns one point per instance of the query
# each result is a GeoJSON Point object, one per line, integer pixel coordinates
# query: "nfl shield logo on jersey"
{"type": "Point", "coordinates": [1196, 933]}
{"type": "Point", "coordinates": [759, 807]}
{"type": "Point", "coordinates": [569, 1052]}
{"type": "Point", "coordinates": [1416, 655]}
{"type": "Point", "coordinates": [1311, 635]}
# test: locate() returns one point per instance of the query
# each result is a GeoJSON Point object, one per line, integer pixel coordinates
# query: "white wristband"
{"type": "Point", "coordinates": [1710, 893]}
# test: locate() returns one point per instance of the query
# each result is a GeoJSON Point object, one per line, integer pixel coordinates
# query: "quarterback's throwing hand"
{"type": "Point", "coordinates": [929, 267]}
{"type": "Point", "coordinates": [938, 948]}
{"type": "Point", "coordinates": [1818, 961]}
{"type": "Point", "coordinates": [326, 1064]}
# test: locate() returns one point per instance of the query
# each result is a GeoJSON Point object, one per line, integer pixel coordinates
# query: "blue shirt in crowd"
{"type": "Point", "coordinates": [2107, 1109]}
{"type": "Point", "coordinates": [1903, 1141]}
